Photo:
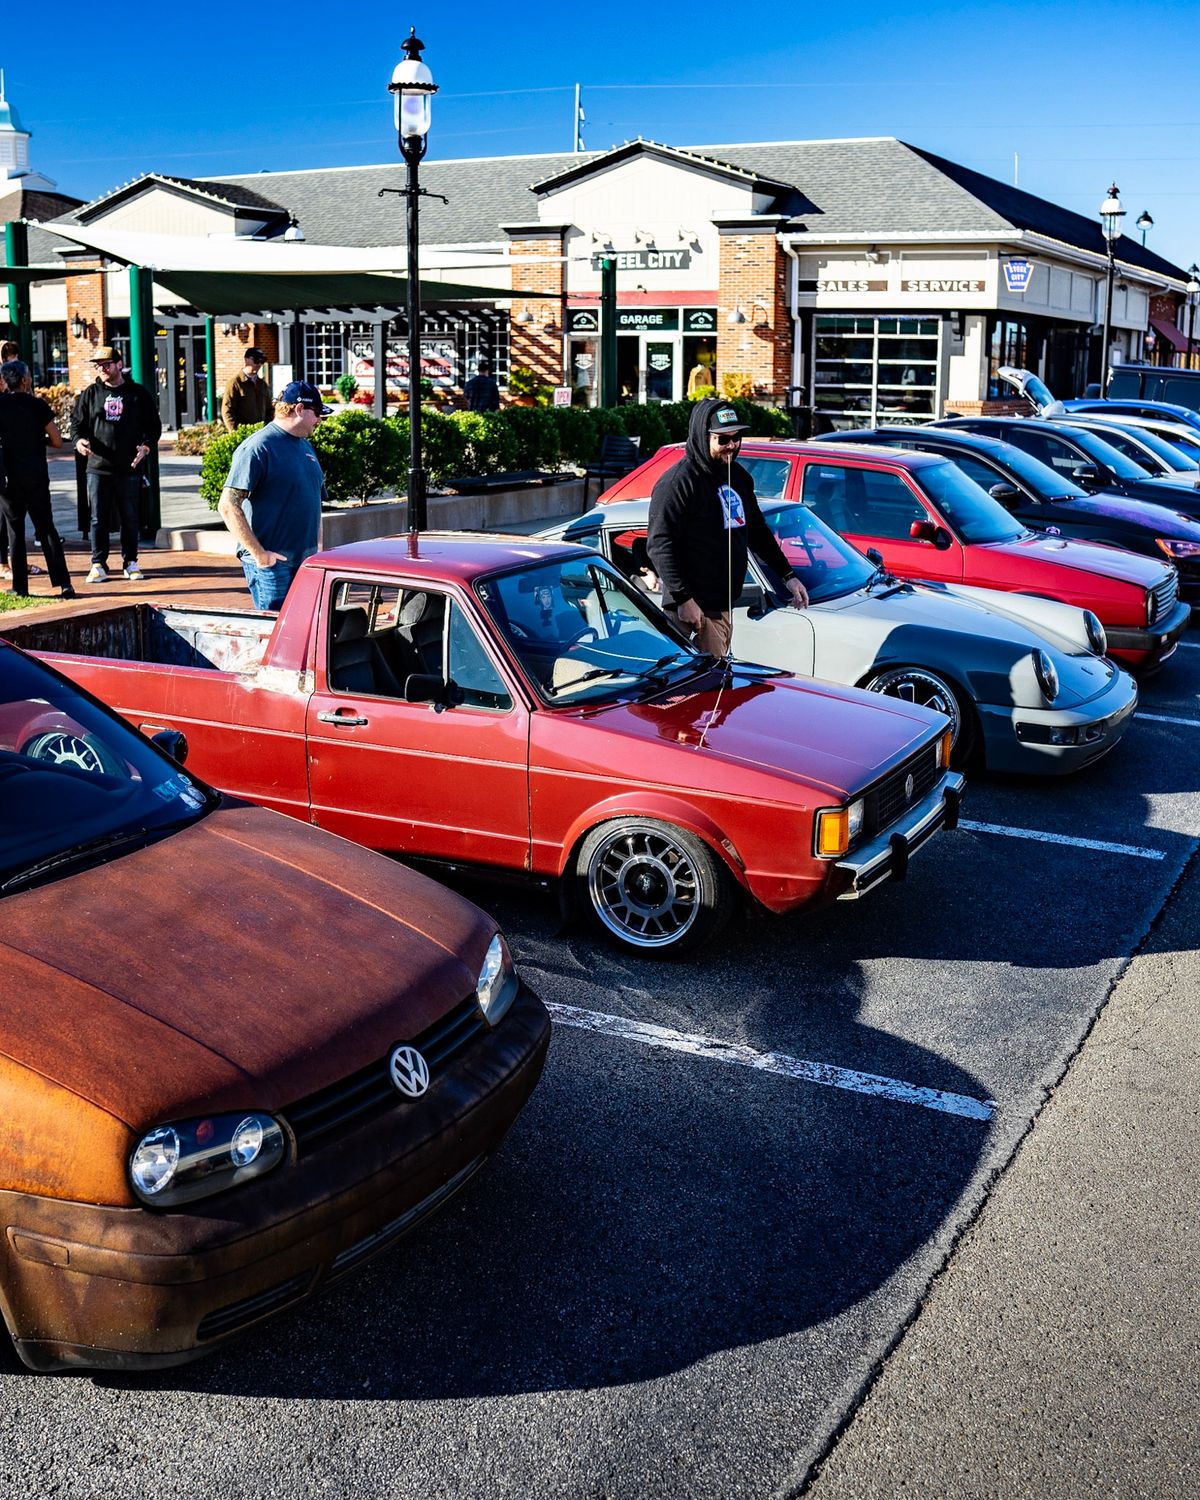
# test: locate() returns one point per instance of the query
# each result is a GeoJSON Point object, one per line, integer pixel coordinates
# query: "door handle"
{"type": "Point", "coordinates": [347, 721]}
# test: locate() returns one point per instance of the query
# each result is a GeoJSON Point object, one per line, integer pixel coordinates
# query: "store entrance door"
{"type": "Point", "coordinates": [628, 369]}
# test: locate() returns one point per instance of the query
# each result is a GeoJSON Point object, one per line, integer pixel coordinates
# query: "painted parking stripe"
{"type": "Point", "coordinates": [1168, 719]}
{"type": "Point", "coordinates": [1136, 851]}
{"type": "Point", "coordinates": [777, 1063]}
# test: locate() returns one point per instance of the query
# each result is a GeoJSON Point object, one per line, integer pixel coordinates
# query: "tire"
{"type": "Point", "coordinates": [930, 690]}
{"type": "Point", "coordinates": [652, 887]}
{"type": "Point", "coordinates": [62, 747]}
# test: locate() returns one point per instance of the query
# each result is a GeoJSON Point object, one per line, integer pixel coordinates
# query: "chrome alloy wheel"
{"type": "Point", "coordinates": [644, 886]}
{"type": "Point", "coordinates": [917, 685]}
{"type": "Point", "coordinates": [62, 748]}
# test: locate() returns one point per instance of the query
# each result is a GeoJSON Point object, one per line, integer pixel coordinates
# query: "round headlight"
{"type": "Point", "coordinates": [247, 1141]}
{"type": "Point", "coordinates": [1047, 675]}
{"type": "Point", "coordinates": [1096, 637]}
{"type": "Point", "coordinates": [854, 820]}
{"type": "Point", "coordinates": [154, 1161]}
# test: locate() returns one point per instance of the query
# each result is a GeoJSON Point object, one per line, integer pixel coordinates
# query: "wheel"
{"type": "Point", "coordinates": [920, 685]}
{"type": "Point", "coordinates": [652, 887]}
{"type": "Point", "coordinates": [63, 747]}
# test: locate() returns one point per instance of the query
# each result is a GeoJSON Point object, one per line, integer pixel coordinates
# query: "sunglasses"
{"type": "Point", "coordinates": [731, 441]}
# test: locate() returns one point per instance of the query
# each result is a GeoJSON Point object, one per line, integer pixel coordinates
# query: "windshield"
{"type": "Point", "coordinates": [1104, 453]}
{"type": "Point", "coordinates": [825, 564]}
{"type": "Point", "coordinates": [73, 774]}
{"type": "Point", "coordinates": [1128, 442]}
{"type": "Point", "coordinates": [972, 513]}
{"type": "Point", "coordinates": [582, 633]}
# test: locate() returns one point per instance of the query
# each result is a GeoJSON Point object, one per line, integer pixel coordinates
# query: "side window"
{"type": "Point", "coordinates": [824, 490]}
{"type": "Point", "coordinates": [770, 476]}
{"type": "Point", "coordinates": [886, 508]}
{"type": "Point", "coordinates": [471, 669]}
{"type": "Point", "coordinates": [1046, 447]}
{"type": "Point", "coordinates": [983, 474]}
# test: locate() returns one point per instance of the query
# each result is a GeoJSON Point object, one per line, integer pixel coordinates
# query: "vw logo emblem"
{"type": "Point", "coordinates": [409, 1071]}
{"type": "Point", "coordinates": [909, 785]}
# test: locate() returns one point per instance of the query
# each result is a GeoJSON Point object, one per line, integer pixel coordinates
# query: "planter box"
{"type": "Point", "coordinates": [358, 523]}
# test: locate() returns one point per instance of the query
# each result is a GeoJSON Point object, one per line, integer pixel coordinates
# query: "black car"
{"type": "Point", "coordinates": [1045, 499]}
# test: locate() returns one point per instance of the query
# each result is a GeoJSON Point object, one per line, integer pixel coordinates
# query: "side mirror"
{"type": "Point", "coordinates": [927, 531]}
{"type": "Point", "coordinates": [422, 688]}
{"type": "Point", "coordinates": [1007, 494]}
{"type": "Point", "coordinates": [875, 556]}
{"type": "Point", "coordinates": [1087, 475]}
{"type": "Point", "coordinates": [172, 742]}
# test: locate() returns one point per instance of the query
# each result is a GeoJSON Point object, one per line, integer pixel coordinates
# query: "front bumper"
{"type": "Point", "coordinates": [886, 856]}
{"type": "Point", "coordinates": [1148, 646]}
{"type": "Point", "coordinates": [124, 1288]}
{"type": "Point", "coordinates": [1023, 739]}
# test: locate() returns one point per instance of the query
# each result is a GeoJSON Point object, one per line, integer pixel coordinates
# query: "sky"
{"type": "Point", "coordinates": [1062, 98]}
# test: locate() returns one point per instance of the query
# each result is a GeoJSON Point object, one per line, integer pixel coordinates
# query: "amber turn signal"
{"type": "Point", "coordinates": [833, 832]}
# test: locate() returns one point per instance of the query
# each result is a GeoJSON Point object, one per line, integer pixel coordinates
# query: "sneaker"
{"type": "Point", "coordinates": [97, 574]}
{"type": "Point", "coordinates": [133, 572]}
{"type": "Point", "coordinates": [66, 592]}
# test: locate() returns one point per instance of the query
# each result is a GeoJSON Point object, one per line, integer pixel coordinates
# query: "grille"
{"type": "Point", "coordinates": [373, 1243]}
{"type": "Point", "coordinates": [1165, 595]}
{"type": "Point", "coordinates": [250, 1309]}
{"type": "Point", "coordinates": [886, 800]}
{"type": "Point", "coordinates": [343, 1106]}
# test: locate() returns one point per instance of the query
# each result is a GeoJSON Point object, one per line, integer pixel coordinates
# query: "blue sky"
{"type": "Point", "coordinates": [1067, 96]}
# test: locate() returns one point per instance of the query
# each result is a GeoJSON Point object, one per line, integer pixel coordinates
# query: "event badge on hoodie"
{"type": "Point", "coordinates": [732, 507]}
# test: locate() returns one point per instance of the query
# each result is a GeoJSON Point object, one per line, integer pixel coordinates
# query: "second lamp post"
{"type": "Point", "coordinates": [1111, 214]}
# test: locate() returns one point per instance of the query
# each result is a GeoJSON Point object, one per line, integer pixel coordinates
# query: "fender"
{"type": "Point", "coordinates": [647, 804]}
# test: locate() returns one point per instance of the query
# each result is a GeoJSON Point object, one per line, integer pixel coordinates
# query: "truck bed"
{"type": "Point", "coordinates": [226, 640]}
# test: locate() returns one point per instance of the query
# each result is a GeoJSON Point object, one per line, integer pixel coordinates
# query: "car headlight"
{"type": "Point", "coordinates": [194, 1158]}
{"type": "Point", "coordinates": [497, 985]}
{"type": "Point", "coordinates": [1176, 549]}
{"type": "Point", "coordinates": [1096, 637]}
{"type": "Point", "coordinates": [836, 828]}
{"type": "Point", "coordinates": [1047, 675]}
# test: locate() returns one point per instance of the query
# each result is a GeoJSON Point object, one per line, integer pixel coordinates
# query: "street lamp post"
{"type": "Point", "coordinates": [1111, 214]}
{"type": "Point", "coordinates": [1193, 295]}
{"type": "Point", "coordinates": [412, 88]}
{"type": "Point", "coordinates": [1144, 222]}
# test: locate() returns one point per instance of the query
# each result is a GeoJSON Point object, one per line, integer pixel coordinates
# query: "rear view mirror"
{"type": "Point", "coordinates": [875, 556]}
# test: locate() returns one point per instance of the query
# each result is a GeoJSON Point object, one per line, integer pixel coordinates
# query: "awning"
{"type": "Point", "coordinates": [1169, 332]}
{"type": "Point", "coordinates": [27, 275]}
{"type": "Point", "coordinates": [226, 293]}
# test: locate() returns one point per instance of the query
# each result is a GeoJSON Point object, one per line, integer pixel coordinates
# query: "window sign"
{"type": "Point", "coordinates": [583, 320]}
{"type": "Point", "coordinates": [699, 320]}
{"type": "Point", "coordinates": [439, 361]}
{"type": "Point", "coordinates": [646, 319]}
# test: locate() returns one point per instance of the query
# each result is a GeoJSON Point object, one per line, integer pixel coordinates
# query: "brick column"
{"type": "Point", "coordinates": [1018, 408]}
{"type": "Point", "coordinates": [538, 345]}
{"type": "Point", "coordinates": [85, 298]}
{"type": "Point", "coordinates": [754, 276]}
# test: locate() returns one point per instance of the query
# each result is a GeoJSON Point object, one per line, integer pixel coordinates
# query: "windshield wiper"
{"type": "Point", "coordinates": [596, 672]}
{"type": "Point", "coordinates": [74, 854]}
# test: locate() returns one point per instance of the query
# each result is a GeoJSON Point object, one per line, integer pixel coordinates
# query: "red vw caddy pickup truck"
{"type": "Point", "coordinates": [520, 704]}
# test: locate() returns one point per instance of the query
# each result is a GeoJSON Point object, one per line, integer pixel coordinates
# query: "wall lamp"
{"type": "Point", "coordinates": [525, 317]}
{"type": "Point", "coordinates": [736, 316]}
{"type": "Point", "coordinates": [79, 329]}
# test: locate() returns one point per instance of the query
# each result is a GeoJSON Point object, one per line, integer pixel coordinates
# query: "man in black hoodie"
{"type": "Point", "coordinates": [704, 520]}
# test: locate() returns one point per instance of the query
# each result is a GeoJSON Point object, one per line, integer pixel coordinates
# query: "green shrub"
{"type": "Point", "coordinates": [577, 439]}
{"type": "Point", "coordinates": [360, 455]}
{"type": "Point", "coordinates": [218, 456]}
{"type": "Point", "coordinates": [190, 441]}
{"type": "Point", "coordinates": [646, 423]}
{"type": "Point", "coordinates": [676, 415]}
{"type": "Point", "coordinates": [701, 392]}
{"type": "Point", "coordinates": [536, 432]}
{"type": "Point", "coordinates": [346, 385]}
{"type": "Point", "coordinates": [443, 447]}
{"type": "Point", "coordinates": [526, 385]}
{"type": "Point", "coordinates": [491, 445]}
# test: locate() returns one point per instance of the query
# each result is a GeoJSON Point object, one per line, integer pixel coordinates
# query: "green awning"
{"type": "Point", "coordinates": [224, 293]}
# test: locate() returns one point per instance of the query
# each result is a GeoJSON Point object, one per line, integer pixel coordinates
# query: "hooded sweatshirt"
{"type": "Point", "coordinates": [704, 519]}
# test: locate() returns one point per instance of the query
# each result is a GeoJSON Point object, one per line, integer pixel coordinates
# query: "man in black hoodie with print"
{"type": "Point", "coordinates": [704, 520]}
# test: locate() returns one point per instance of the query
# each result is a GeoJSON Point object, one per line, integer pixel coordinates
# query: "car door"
{"type": "Point", "coordinates": [447, 780]}
{"type": "Point", "coordinates": [877, 508]}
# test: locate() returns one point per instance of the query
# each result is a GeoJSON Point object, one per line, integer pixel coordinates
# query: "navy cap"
{"type": "Point", "coordinates": [300, 393]}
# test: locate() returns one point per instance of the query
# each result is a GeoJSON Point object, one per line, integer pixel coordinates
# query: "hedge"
{"type": "Point", "coordinates": [363, 456]}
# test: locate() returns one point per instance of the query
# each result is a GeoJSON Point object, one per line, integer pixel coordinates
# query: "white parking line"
{"type": "Point", "coordinates": [1136, 851]}
{"type": "Point", "coordinates": [1169, 719]}
{"type": "Point", "coordinates": [1189, 645]}
{"type": "Point", "coordinates": [777, 1063]}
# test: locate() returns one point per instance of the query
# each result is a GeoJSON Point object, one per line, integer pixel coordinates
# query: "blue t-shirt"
{"type": "Point", "coordinates": [286, 488]}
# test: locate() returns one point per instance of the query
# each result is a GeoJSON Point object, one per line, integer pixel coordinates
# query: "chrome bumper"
{"type": "Point", "coordinates": [886, 856]}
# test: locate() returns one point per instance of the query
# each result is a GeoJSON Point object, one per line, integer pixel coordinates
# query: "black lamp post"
{"type": "Point", "coordinates": [412, 87]}
{"type": "Point", "coordinates": [1111, 214]}
{"type": "Point", "coordinates": [1193, 294]}
{"type": "Point", "coordinates": [1144, 222]}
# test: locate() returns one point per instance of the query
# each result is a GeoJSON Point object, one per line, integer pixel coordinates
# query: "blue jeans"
{"type": "Point", "coordinates": [268, 586]}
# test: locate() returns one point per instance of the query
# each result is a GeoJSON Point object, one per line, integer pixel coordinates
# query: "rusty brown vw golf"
{"type": "Point", "coordinates": [238, 1056]}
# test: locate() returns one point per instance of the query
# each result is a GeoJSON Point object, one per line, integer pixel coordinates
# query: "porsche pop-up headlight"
{"type": "Point", "coordinates": [1047, 675]}
{"type": "Point", "coordinates": [1096, 637]}
{"type": "Point", "coordinates": [497, 985]}
{"type": "Point", "coordinates": [193, 1158]}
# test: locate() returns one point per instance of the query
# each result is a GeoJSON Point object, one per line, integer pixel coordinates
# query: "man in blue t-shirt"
{"type": "Point", "coordinates": [277, 471]}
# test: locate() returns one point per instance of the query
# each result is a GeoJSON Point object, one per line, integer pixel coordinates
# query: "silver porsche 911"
{"type": "Point", "coordinates": [1024, 680]}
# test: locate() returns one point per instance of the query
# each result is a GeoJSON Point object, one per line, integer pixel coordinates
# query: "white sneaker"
{"type": "Point", "coordinates": [96, 574]}
{"type": "Point", "coordinates": [133, 572]}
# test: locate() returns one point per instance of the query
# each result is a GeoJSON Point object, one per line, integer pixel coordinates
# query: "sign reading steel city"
{"type": "Point", "coordinates": [646, 260]}
{"type": "Point", "coordinates": [1016, 274]}
{"type": "Point", "coordinates": [944, 284]}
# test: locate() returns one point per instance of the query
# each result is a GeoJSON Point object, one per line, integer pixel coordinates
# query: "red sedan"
{"type": "Point", "coordinates": [928, 520]}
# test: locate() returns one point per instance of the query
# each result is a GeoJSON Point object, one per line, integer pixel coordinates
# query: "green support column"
{"type": "Point", "coordinates": [141, 355]}
{"type": "Point", "coordinates": [210, 367]}
{"type": "Point", "coordinates": [16, 253]}
{"type": "Point", "coordinates": [608, 331]}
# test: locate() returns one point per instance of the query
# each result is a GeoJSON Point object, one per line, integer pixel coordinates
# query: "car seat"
{"type": "Point", "coordinates": [356, 663]}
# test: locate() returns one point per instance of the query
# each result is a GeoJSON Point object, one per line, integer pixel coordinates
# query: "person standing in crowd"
{"type": "Point", "coordinates": [481, 391]}
{"type": "Point", "coordinates": [117, 424]}
{"type": "Point", "coordinates": [704, 521]}
{"type": "Point", "coordinates": [277, 471]}
{"type": "Point", "coordinates": [26, 426]}
{"type": "Point", "coordinates": [247, 397]}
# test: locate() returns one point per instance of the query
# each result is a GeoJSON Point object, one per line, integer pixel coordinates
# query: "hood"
{"type": "Point", "coordinates": [1084, 557]}
{"type": "Point", "coordinates": [243, 962]}
{"type": "Point", "coordinates": [696, 448]}
{"type": "Point", "coordinates": [1158, 514]}
{"type": "Point", "coordinates": [753, 740]}
{"type": "Point", "coordinates": [1035, 390]}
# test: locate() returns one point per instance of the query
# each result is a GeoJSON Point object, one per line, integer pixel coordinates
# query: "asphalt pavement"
{"type": "Point", "coordinates": [894, 1198]}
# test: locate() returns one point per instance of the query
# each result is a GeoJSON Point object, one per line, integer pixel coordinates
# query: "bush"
{"type": "Point", "coordinates": [443, 447]}
{"type": "Point", "coordinates": [764, 421]}
{"type": "Point", "coordinates": [525, 385]}
{"type": "Point", "coordinates": [577, 439]}
{"type": "Point", "coordinates": [61, 401]}
{"type": "Point", "coordinates": [677, 415]}
{"type": "Point", "coordinates": [702, 392]}
{"type": "Point", "coordinates": [491, 444]}
{"type": "Point", "coordinates": [218, 457]}
{"type": "Point", "coordinates": [193, 440]}
{"type": "Point", "coordinates": [536, 432]}
{"type": "Point", "coordinates": [345, 386]}
{"type": "Point", "coordinates": [646, 423]}
{"type": "Point", "coordinates": [360, 455]}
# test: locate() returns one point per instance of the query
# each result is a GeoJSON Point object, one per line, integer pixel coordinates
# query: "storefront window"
{"type": "Point", "coordinates": [868, 370]}
{"type": "Point", "coordinates": [583, 369]}
{"type": "Point", "coordinates": [1011, 341]}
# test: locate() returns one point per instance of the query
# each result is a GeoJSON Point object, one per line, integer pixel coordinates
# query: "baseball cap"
{"type": "Point", "coordinates": [103, 353]}
{"type": "Point", "coordinates": [724, 418]}
{"type": "Point", "coordinates": [300, 393]}
{"type": "Point", "coordinates": [256, 355]}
